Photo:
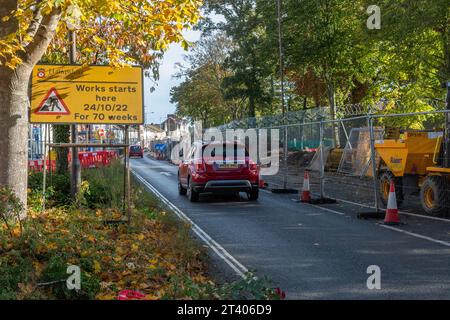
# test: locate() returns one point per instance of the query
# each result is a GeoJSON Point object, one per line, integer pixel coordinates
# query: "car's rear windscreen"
{"type": "Point", "coordinates": [227, 150]}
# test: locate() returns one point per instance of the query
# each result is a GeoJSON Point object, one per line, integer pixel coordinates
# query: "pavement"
{"type": "Point", "coordinates": [311, 251]}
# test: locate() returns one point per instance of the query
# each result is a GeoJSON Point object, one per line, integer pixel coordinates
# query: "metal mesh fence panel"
{"type": "Point", "coordinates": [347, 161]}
{"type": "Point", "coordinates": [302, 141]}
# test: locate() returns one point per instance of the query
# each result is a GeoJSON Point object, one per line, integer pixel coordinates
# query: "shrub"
{"type": "Point", "coordinates": [105, 186]}
{"type": "Point", "coordinates": [57, 189]}
{"type": "Point", "coordinates": [55, 275]}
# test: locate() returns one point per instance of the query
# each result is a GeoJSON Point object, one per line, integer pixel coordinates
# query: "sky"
{"type": "Point", "coordinates": [158, 101]}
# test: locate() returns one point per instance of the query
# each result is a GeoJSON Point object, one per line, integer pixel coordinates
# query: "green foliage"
{"type": "Point", "coordinates": [248, 288]}
{"type": "Point", "coordinates": [61, 134]}
{"type": "Point", "coordinates": [55, 274]}
{"type": "Point", "coordinates": [201, 95]}
{"type": "Point", "coordinates": [15, 269]}
{"type": "Point", "coordinates": [57, 190]}
{"type": "Point", "coordinates": [105, 186]}
{"type": "Point", "coordinates": [101, 188]}
{"type": "Point", "coordinates": [329, 54]}
{"type": "Point", "coordinates": [80, 198]}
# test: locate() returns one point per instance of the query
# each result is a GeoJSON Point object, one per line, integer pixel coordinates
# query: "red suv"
{"type": "Point", "coordinates": [136, 151]}
{"type": "Point", "coordinates": [218, 167]}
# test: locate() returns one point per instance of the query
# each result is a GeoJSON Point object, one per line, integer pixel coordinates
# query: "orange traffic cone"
{"type": "Point", "coordinates": [306, 193]}
{"type": "Point", "coordinates": [392, 217]}
{"type": "Point", "coordinates": [261, 184]}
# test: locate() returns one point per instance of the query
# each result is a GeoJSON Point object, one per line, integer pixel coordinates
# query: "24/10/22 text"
{"type": "Point", "coordinates": [98, 107]}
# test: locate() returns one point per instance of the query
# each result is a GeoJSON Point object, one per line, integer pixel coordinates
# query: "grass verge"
{"type": "Point", "coordinates": [155, 254]}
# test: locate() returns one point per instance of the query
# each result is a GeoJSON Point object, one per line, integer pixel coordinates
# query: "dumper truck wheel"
{"type": "Point", "coordinates": [434, 195]}
{"type": "Point", "coordinates": [385, 182]}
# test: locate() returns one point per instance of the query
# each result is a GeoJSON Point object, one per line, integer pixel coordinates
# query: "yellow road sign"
{"type": "Point", "coordinates": [87, 94]}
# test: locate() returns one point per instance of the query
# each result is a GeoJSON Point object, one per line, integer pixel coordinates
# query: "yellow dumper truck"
{"type": "Point", "coordinates": [419, 162]}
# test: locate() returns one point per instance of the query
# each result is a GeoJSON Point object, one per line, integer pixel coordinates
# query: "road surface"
{"type": "Point", "coordinates": [314, 252]}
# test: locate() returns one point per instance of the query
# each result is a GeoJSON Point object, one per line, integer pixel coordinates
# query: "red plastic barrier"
{"type": "Point", "coordinates": [38, 165]}
{"type": "Point", "coordinates": [87, 160]}
{"type": "Point", "coordinates": [96, 158]}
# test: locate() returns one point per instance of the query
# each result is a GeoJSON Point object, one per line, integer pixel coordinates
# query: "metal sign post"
{"type": "Point", "coordinates": [127, 184]}
{"type": "Point", "coordinates": [44, 174]}
{"type": "Point", "coordinates": [75, 166]}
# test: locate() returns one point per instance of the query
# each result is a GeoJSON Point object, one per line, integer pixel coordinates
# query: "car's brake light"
{"type": "Point", "coordinates": [253, 167]}
{"type": "Point", "coordinates": [200, 166]}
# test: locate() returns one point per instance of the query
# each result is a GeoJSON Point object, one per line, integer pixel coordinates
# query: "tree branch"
{"type": "Point", "coordinates": [43, 36]}
{"type": "Point", "coordinates": [35, 23]}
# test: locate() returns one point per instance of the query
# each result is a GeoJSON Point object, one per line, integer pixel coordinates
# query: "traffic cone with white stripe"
{"type": "Point", "coordinates": [392, 217]}
{"type": "Point", "coordinates": [306, 193]}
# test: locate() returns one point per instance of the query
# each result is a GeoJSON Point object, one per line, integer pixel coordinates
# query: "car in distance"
{"type": "Point", "coordinates": [136, 151]}
{"type": "Point", "coordinates": [218, 168]}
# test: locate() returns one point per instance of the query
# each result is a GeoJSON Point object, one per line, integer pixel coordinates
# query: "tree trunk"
{"type": "Point", "coordinates": [14, 100]}
{"type": "Point", "coordinates": [13, 116]}
{"type": "Point", "coordinates": [14, 130]}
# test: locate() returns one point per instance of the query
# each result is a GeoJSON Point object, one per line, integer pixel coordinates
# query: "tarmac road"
{"type": "Point", "coordinates": [314, 252]}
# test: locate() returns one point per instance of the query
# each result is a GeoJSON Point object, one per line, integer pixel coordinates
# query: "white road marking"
{"type": "Point", "coordinates": [240, 269]}
{"type": "Point", "coordinates": [327, 209]}
{"type": "Point", "coordinates": [167, 174]}
{"type": "Point", "coordinates": [402, 212]}
{"type": "Point", "coordinates": [447, 244]}
{"type": "Point", "coordinates": [444, 243]}
{"type": "Point", "coordinates": [372, 207]}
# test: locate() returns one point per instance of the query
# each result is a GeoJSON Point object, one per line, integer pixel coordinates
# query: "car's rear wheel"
{"type": "Point", "coordinates": [181, 191]}
{"type": "Point", "coordinates": [253, 194]}
{"type": "Point", "coordinates": [192, 195]}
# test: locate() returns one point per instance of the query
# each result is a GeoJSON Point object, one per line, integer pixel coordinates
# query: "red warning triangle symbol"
{"type": "Point", "coordinates": [52, 104]}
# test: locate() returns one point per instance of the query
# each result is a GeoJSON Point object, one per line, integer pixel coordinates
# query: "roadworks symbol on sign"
{"type": "Point", "coordinates": [52, 104]}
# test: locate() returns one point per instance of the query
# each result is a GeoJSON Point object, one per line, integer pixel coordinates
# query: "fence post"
{"type": "Point", "coordinates": [322, 165]}
{"type": "Point", "coordinates": [373, 160]}
{"type": "Point", "coordinates": [126, 174]}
